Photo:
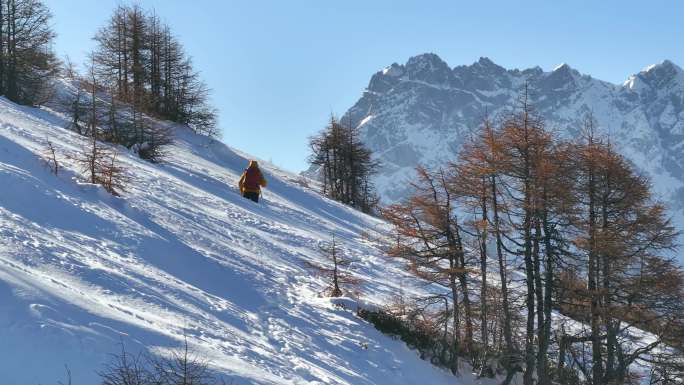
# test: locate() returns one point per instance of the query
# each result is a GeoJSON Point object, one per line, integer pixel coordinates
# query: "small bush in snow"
{"type": "Point", "coordinates": [181, 367]}
{"type": "Point", "coordinates": [50, 157]}
{"type": "Point", "coordinates": [334, 272]}
{"type": "Point", "coordinates": [100, 166]}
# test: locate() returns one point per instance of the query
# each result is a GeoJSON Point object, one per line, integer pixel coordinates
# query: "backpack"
{"type": "Point", "coordinates": [252, 179]}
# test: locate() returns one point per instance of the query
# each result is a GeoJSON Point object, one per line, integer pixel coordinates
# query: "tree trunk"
{"type": "Point", "coordinates": [597, 362]}
{"type": "Point", "coordinates": [503, 276]}
{"type": "Point", "coordinates": [483, 273]}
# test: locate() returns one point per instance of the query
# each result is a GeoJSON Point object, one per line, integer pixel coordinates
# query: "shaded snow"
{"type": "Point", "coordinates": [181, 253]}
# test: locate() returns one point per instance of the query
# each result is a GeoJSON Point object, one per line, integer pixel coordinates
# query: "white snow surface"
{"type": "Point", "coordinates": [181, 253]}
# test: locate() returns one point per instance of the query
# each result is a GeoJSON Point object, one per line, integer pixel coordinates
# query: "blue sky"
{"type": "Point", "coordinates": [279, 68]}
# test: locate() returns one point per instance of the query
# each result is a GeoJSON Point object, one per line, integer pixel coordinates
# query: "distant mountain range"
{"type": "Point", "coordinates": [422, 111]}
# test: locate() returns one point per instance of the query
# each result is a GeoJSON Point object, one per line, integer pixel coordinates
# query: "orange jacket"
{"type": "Point", "coordinates": [262, 183]}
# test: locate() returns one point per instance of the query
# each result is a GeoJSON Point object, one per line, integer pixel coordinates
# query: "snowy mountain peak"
{"type": "Point", "coordinates": [394, 70]}
{"type": "Point", "coordinates": [414, 123]}
{"type": "Point", "coordinates": [669, 63]}
{"type": "Point", "coordinates": [563, 67]}
{"type": "Point", "coordinates": [664, 74]}
{"type": "Point", "coordinates": [485, 62]}
{"type": "Point", "coordinates": [535, 71]}
{"type": "Point", "coordinates": [565, 70]}
{"type": "Point", "coordinates": [485, 65]}
{"type": "Point", "coordinates": [384, 80]}
{"type": "Point", "coordinates": [427, 59]}
{"type": "Point", "coordinates": [562, 79]}
{"type": "Point", "coordinates": [665, 65]}
{"type": "Point", "coordinates": [429, 68]}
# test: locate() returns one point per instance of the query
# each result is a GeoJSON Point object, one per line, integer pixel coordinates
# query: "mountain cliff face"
{"type": "Point", "coordinates": [421, 112]}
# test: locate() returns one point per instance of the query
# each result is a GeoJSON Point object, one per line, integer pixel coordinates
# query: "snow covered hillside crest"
{"type": "Point", "coordinates": [180, 253]}
{"type": "Point", "coordinates": [422, 111]}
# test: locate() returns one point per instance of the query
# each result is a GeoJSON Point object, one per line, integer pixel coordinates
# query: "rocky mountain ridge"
{"type": "Point", "coordinates": [422, 111]}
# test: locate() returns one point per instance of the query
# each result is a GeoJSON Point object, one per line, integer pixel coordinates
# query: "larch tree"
{"type": "Point", "coordinates": [470, 183]}
{"type": "Point", "coordinates": [622, 235]}
{"type": "Point", "coordinates": [431, 242]}
{"type": "Point", "coordinates": [491, 154]}
{"type": "Point", "coordinates": [581, 229]}
{"type": "Point", "coordinates": [345, 164]}
{"type": "Point", "coordinates": [524, 138]}
{"type": "Point", "coordinates": [146, 66]}
{"type": "Point", "coordinates": [27, 62]}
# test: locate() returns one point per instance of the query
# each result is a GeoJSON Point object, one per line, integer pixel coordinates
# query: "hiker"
{"type": "Point", "coordinates": [251, 182]}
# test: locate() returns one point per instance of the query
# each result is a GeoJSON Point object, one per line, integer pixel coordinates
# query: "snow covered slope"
{"type": "Point", "coordinates": [180, 253]}
{"type": "Point", "coordinates": [421, 112]}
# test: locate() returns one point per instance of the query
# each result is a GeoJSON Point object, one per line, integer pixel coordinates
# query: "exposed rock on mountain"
{"type": "Point", "coordinates": [421, 112]}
